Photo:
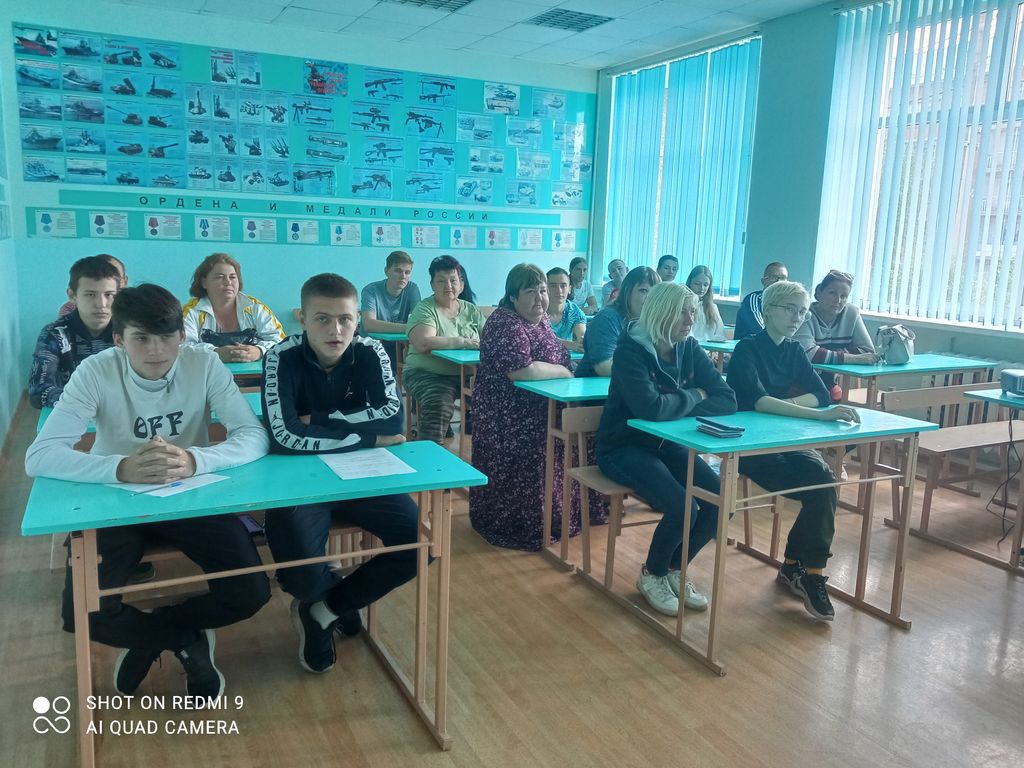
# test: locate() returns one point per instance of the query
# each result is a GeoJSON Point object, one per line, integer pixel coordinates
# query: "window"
{"type": "Point", "coordinates": [922, 196]}
{"type": "Point", "coordinates": [679, 168]}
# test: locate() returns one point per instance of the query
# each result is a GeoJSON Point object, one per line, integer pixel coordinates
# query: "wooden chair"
{"type": "Point", "coordinates": [964, 427]}
{"type": "Point", "coordinates": [582, 424]}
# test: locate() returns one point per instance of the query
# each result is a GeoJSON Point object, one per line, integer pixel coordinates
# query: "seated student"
{"type": "Point", "coordinates": [441, 321]}
{"type": "Point", "coordinates": [770, 373]}
{"type": "Point", "coordinates": [749, 318]}
{"type": "Point", "coordinates": [581, 292]}
{"type": "Point", "coordinates": [610, 290]}
{"type": "Point", "coordinates": [69, 305]}
{"type": "Point", "coordinates": [604, 330]}
{"type": "Point", "coordinates": [166, 392]}
{"type": "Point", "coordinates": [220, 317]}
{"type": "Point", "coordinates": [385, 306]}
{"type": "Point", "coordinates": [668, 266]}
{"type": "Point", "coordinates": [327, 391]}
{"type": "Point", "coordinates": [511, 423]}
{"type": "Point", "coordinates": [84, 331]}
{"type": "Point", "coordinates": [834, 331]}
{"type": "Point", "coordinates": [566, 318]}
{"type": "Point", "coordinates": [661, 373]}
{"type": "Point", "coordinates": [707, 324]}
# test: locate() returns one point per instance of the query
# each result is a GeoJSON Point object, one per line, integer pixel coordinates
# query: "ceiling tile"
{"type": "Point", "coordinates": [243, 9]}
{"type": "Point", "coordinates": [672, 37]}
{"type": "Point", "coordinates": [597, 61]}
{"type": "Point", "coordinates": [625, 29]}
{"type": "Point", "coordinates": [500, 9]}
{"type": "Point", "coordinates": [346, 8]}
{"type": "Point", "coordinates": [406, 14]}
{"type": "Point", "coordinates": [774, 9]}
{"type": "Point", "coordinates": [373, 28]}
{"type": "Point", "coordinates": [721, 23]}
{"type": "Point", "coordinates": [587, 41]}
{"type": "Point", "coordinates": [502, 46]}
{"type": "Point", "coordinates": [447, 39]}
{"type": "Point", "coordinates": [554, 54]}
{"type": "Point", "coordinates": [613, 8]}
{"type": "Point", "coordinates": [635, 50]}
{"type": "Point", "coordinates": [669, 14]}
{"type": "Point", "coordinates": [176, 5]}
{"type": "Point", "coordinates": [325, 22]}
{"type": "Point", "coordinates": [532, 33]}
{"type": "Point", "coordinates": [456, 22]}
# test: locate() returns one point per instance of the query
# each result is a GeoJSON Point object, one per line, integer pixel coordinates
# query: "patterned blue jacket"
{"type": "Point", "coordinates": [61, 347]}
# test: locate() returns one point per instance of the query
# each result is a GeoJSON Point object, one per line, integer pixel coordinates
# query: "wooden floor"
{"type": "Point", "coordinates": [546, 672]}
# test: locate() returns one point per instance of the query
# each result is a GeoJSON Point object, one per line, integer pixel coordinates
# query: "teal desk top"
{"type": "Point", "coordinates": [996, 396]}
{"type": "Point", "coordinates": [766, 430]}
{"type": "Point", "coordinates": [928, 363]}
{"type": "Point", "coordinates": [472, 356]}
{"type": "Point", "coordinates": [253, 368]}
{"type": "Point", "coordinates": [252, 398]}
{"type": "Point", "coordinates": [55, 506]}
{"type": "Point", "coordinates": [382, 336]}
{"type": "Point", "coordinates": [719, 346]}
{"type": "Point", "coordinates": [569, 390]}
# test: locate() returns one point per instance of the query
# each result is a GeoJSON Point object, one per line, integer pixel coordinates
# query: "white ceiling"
{"type": "Point", "coordinates": [639, 27]}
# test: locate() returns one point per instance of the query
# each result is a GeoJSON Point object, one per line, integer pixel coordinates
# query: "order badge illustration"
{"type": "Point", "coordinates": [50, 714]}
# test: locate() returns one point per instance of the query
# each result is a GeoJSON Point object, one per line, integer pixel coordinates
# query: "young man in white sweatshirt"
{"type": "Point", "coordinates": [149, 400]}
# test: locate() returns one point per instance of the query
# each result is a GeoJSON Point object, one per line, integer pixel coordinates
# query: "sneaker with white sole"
{"type": "Point", "coordinates": [789, 576]}
{"type": "Point", "coordinates": [658, 593]}
{"type": "Point", "coordinates": [131, 668]}
{"type": "Point", "coordinates": [692, 599]}
{"type": "Point", "coordinates": [202, 678]}
{"type": "Point", "coordinates": [816, 599]}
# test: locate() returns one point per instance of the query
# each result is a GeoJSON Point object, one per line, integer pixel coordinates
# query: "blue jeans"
{"type": "Point", "coordinates": [302, 532]}
{"type": "Point", "coordinates": [659, 477]}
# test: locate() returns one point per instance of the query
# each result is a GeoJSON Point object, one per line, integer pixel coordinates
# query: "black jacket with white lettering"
{"type": "Point", "coordinates": [347, 407]}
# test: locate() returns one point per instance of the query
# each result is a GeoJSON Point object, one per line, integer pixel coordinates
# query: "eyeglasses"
{"type": "Point", "coordinates": [795, 311]}
{"type": "Point", "coordinates": [840, 275]}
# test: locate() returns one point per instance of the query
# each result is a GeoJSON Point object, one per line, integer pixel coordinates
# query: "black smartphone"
{"type": "Point", "coordinates": [721, 426]}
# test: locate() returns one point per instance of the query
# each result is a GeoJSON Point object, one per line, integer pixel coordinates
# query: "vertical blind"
{"type": "Point", "coordinates": [922, 196]}
{"type": "Point", "coordinates": [680, 162]}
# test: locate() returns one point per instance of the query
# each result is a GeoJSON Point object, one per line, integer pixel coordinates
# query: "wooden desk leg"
{"type": "Point", "coordinates": [867, 500]}
{"type": "Point", "coordinates": [899, 564]}
{"type": "Point", "coordinates": [463, 381]}
{"type": "Point", "coordinates": [687, 521]}
{"type": "Point", "coordinates": [80, 542]}
{"type": "Point", "coordinates": [549, 475]}
{"type": "Point", "coordinates": [444, 519]}
{"type": "Point", "coordinates": [1015, 559]}
{"type": "Point", "coordinates": [431, 506]}
{"type": "Point", "coordinates": [566, 498]}
{"type": "Point", "coordinates": [729, 476]}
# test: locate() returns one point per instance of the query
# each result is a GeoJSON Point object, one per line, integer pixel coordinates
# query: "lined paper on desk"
{"type": "Point", "coordinates": [371, 462]}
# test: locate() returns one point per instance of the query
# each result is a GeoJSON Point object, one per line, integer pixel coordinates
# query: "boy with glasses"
{"type": "Point", "coordinates": [770, 373]}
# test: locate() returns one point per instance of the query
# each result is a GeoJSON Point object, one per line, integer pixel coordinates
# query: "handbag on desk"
{"type": "Point", "coordinates": [895, 344]}
{"type": "Point", "coordinates": [248, 336]}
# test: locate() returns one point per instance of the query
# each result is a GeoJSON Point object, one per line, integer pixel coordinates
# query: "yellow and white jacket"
{"type": "Point", "coordinates": [252, 313]}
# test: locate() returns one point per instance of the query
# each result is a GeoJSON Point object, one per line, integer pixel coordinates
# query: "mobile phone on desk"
{"type": "Point", "coordinates": [720, 425]}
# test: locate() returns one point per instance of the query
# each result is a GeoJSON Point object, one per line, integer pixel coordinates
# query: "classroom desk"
{"type": "Point", "coordinates": [273, 481]}
{"type": "Point", "coordinates": [1014, 563]}
{"type": "Point", "coordinates": [468, 360]}
{"type": "Point", "coordinates": [247, 375]}
{"type": "Point", "coordinates": [720, 350]}
{"type": "Point", "coordinates": [252, 398]}
{"type": "Point", "coordinates": [768, 433]}
{"type": "Point", "coordinates": [935, 365]}
{"type": "Point", "coordinates": [568, 391]}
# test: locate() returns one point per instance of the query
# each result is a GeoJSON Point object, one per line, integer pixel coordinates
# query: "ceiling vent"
{"type": "Point", "coordinates": [437, 5]}
{"type": "Point", "coordinates": [571, 21]}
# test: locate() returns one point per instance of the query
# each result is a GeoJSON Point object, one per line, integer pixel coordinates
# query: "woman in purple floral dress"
{"type": "Point", "coordinates": [510, 424]}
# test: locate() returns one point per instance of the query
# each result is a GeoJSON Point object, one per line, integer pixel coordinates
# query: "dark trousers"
{"type": "Point", "coordinates": [302, 532]}
{"type": "Point", "coordinates": [810, 538]}
{"type": "Point", "coordinates": [213, 543]}
{"type": "Point", "coordinates": [659, 478]}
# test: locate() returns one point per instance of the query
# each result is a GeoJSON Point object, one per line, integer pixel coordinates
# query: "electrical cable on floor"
{"type": "Point", "coordinates": [1004, 486]}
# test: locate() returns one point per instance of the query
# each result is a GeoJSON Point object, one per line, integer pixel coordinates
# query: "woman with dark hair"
{"type": "Point", "coordinates": [441, 321]}
{"type": "Point", "coordinates": [604, 330]}
{"type": "Point", "coordinates": [510, 423]}
{"type": "Point", "coordinates": [467, 292]}
{"type": "Point", "coordinates": [220, 317]}
{"type": "Point", "coordinates": [707, 323]}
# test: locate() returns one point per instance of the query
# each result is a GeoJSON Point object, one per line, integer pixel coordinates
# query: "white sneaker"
{"type": "Point", "coordinates": [694, 600]}
{"type": "Point", "coordinates": [843, 474]}
{"type": "Point", "coordinates": [658, 593]}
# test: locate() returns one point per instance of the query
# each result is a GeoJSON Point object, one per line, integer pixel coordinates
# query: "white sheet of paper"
{"type": "Point", "coordinates": [372, 462]}
{"type": "Point", "coordinates": [161, 490]}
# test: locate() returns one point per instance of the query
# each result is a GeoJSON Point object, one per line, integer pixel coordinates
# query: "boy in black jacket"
{"type": "Point", "coordinates": [327, 391]}
{"type": "Point", "coordinates": [660, 373]}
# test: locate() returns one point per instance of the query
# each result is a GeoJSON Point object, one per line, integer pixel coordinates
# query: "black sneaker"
{"type": "Point", "coordinates": [202, 678]}
{"type": "Point", "coordinates": [789, 576]}
{"type": "Point", "coordinates": [349, 624]}
{"type": "Point", "coordinates": [816, 599]}
{"type": "Point", "coordinates": [316, 644]}
{"type": "Point", "coordinates": [143, 572]}
{"type": "Point", "coordinates": [131, 668]}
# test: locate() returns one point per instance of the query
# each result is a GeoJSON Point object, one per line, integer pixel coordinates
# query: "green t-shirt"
{"type": "Point", "coordinates": [469, 322]}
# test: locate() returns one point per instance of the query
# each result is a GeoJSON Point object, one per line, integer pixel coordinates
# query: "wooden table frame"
{"type": "Point", "coordinates": [727, 501]}
{"type": "Point", "coordinates": [434, 540]}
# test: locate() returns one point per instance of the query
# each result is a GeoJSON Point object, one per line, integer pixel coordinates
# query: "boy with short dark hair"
{"type": "Point", "coordinates": [385, 305]}
{"type": "Point", "coordinates": [150, 401]}
{"type": "Point", "coordinates": [68, 306]}
{"type": "Point", "coordinates": [329, 391]}
{"type": "Point", "coordinates": [84, 331]}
